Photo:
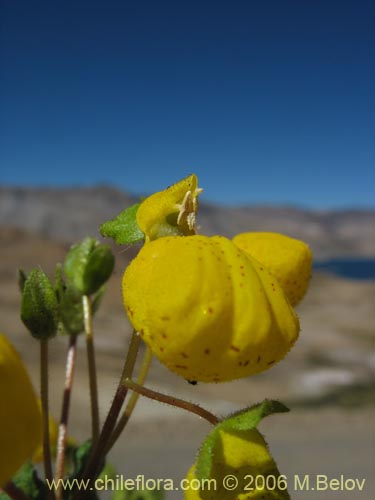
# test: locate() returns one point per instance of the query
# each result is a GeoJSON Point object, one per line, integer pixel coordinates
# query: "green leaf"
{"type": "Point", "coordinates": [88, 265]}
{"type": "Point", "coordinates": [39, 306]}
{"type": "Point", "coordinates": [123, 229]}
{"type": "Point", "coordinates": [249, 418]}
{"type": "Point", "coordinates": [243, 420]}
{"type": "Point", "coordinates": [28, 481]}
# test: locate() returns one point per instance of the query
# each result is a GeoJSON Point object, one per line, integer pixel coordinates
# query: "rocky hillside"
{"type": "Point", "coordinates": [67, 215]}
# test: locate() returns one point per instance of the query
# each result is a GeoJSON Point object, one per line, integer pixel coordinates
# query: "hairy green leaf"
{"type": "Point", "coordinates": [123, 229]}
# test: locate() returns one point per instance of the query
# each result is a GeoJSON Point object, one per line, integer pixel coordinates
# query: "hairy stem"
{"type": "Point", "coordinates": [87, 318]}
{"type": "Point", "coordinates": [45, 413]}
{"type": "Point", "coordinates": [179, 403]}
{"type": "Point", "coordinates": [95, 461]}
{"type": "Point", "coordinates": [63, 427]}
{"type": "Point", "coordinates": [146, 362]}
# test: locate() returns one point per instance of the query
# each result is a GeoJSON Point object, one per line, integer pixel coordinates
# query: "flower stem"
{"type": "Point", "coordinates": [87, 318]}
{"type": "Point", "coordinates": [170, 400]}
{"type": "Point", "coordinates": [95, 461]}
{"type": "Point", "coordinates": [146, 362]}
{"type": "Point", "coordinates": [63, 427]}
{"type": "Point", "coordinates": [14, 492]}
{"type": "Point", "coordinates": [45, 412]}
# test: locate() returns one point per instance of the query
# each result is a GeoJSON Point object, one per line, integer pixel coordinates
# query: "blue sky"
{"type": "Point", "coordinates": [267, 101]}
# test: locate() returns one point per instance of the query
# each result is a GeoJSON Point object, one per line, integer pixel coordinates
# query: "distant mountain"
{"type": "Point", "coordinates": [67, 215]}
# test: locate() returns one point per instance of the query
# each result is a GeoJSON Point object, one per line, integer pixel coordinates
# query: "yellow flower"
{"type": "Point", "coordinates": [290, 260]}
{"type": "Point", "coordinates": [241, 456]}
{"type": "Point", "coordinates": [170, 212]}
{"type": "Point", "coordinates": [207, 310]}
{"type": "Point", "coordinates": [20, 419]}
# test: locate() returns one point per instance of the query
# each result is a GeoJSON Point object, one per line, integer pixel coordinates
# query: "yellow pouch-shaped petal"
{"type": "Point", "coordinates": [242, 457]}
{"type": "Point", "coordinates": [20, 418]}
{"type": "Point", "coordinates": [207, 310]}
{"type": "Point", "coordinates": [290, 260]}
{"type": "Point", "coordinates": [171, 211]}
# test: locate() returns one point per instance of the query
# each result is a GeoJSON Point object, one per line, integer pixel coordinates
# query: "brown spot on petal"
{"type": "Point", "coordinates": [182, 367]}
{"type": "Point", "coordinates": [234, 348]}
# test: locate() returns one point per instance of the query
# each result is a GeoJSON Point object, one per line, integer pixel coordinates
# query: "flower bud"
{"type": "Point", "coordinates": [89, 265]}
{"type": "Point", "coordinates": [39, 307]}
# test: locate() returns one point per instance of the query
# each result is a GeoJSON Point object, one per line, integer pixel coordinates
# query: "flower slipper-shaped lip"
{"type": "Point", "coordinates": [290, 260]}
{"type": "Point", "coordinates": [20, 418]}
{"type": "Point", "coordinates": [207, 310]}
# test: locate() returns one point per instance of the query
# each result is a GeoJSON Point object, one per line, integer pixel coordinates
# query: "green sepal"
{"type": "Point", "coordinates": [243, 420]}
{"type": "Point", "coordinates": [39, 306]}
{"type": "Point", "coordinates": [123, 229]}
{"type": "Point", "coordinates": [28, 481]}
{"type": "Point", "coordinates": [76, 260]}
{"type": "Point", "coordinates": [88, 265]}
{"type": "Point", "coordinates": [205, 455]}
{"type": "Point", "coordinates": [249, 418]}
{"type": "Point", "coordinates": [99, 268]}
{"type": "Point", "coordinates": [71, 311]}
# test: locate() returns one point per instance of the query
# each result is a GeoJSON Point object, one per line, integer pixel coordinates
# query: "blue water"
{"type": "Point", "coordinates": [357, 269]}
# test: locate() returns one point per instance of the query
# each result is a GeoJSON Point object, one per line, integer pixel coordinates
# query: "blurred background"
{"type": "Point", "coordinates": [271, 104]}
